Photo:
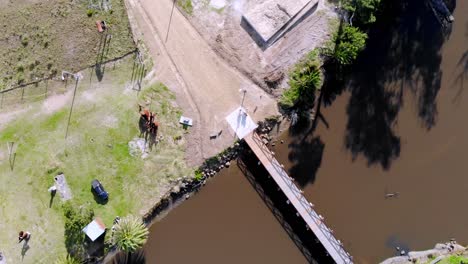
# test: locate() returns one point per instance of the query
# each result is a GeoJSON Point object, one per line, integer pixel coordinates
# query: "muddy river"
{"type": "Point", "coordinates": [226, 222]}
{"type": "Point", "coordinates": [399, 128]}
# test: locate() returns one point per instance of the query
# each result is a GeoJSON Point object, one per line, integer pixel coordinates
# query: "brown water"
{"type": "Point", "coordinates": [401, 127]}
{"type": "Point", "coordinates": [226, 222]}
{"type": "Point", "coordinates": [405, 135]}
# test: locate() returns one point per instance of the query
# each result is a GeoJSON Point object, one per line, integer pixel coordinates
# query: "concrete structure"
{"type": "Point", "coordinates": [268, 18]}
{"type": "Point", "coordinates": [313, 220]}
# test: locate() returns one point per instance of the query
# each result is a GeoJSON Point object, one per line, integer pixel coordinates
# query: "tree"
{"type": "Point", "coordinates": [75, 221]}
{"type": "Point", "coordinates": [363, 10]}
{"type": "Point", "coordinates": [130, 234]}
{"type": "Point", "coordinates": [347, 45]}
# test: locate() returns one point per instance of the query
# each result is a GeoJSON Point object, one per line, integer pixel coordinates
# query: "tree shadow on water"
{"type": "Point", "coordinates": [462, 75]}
{"type": "Point", "coordinates": [402, 54]}
{"type": "Point", "coordinates": [306, 157]}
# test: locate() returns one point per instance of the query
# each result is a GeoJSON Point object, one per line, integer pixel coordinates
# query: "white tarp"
{"type": "Point", "coordinates": [241, 123]}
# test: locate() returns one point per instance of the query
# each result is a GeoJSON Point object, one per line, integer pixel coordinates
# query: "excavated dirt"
{"type": "Point", "coordinates": [266, 65]}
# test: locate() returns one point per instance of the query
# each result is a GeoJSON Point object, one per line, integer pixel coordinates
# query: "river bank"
{"type": "Point", "coordinates": [103, 121]}
{"type": "Point", "coordinates": [354, 157]}
{"type": "Point", "coordinates": [184, 187]}
{"type": "Point", "coordinates": [449, 252]}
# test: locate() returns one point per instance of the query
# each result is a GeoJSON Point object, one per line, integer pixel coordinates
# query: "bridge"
{"type": "Point", "coordinates": [295, 197]}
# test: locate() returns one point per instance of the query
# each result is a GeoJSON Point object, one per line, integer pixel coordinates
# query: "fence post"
{"type": "Point", "coordinates": [46, 83]}
{"type": "Point", "coordinates": [22, 94]}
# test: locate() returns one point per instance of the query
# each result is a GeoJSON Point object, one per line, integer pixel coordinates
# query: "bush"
{"type": "Point", "coordinates": [186, 6]}
{"type": "Point", "coordinates": [364, 10]}
{"type": "Point", "coordinates": [304, 80]}
{"type": "Point", "coordinates": [198, 175]}
{"type": "Point", "coordinates": [90, 12]}
{"type": "Point", "coordinates": [75, 221]}
{"type": "Point", "coordinates": [130, 234]}
{"type": "Point", "coordinates": [24, 40]}
{"type": "Point", "coordinates": [346, 45]}
{"type": "Point", "coordinates": [20, 67]}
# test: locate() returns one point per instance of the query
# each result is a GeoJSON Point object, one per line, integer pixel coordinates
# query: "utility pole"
{"type": "Point", "coordinates": [73, 100]}
{"type": "Point", "coordinates": [244, 91]}
{"type": "Point", "coordinates": [241, 112]}
{"type": "Point", "coordinates": [170, 19]}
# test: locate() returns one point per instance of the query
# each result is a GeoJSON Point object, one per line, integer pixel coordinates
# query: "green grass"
{"type": "Point", "coordinates": [454, 260]}
{"type": "Point", "coordinates": [304, 80]}
{"type": "Point", "coordinates": [218, 10]}
{"type": "Point", "coordinates": [96, 147]}
{"type": "Point", "coordinates": [186, 5]}
{"type": "Point", "coordinates": [41, 39]}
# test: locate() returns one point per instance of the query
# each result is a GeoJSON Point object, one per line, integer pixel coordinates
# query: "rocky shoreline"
{"type": "Point", "coordinates": [184, 187]}
{"type": "Point", "coordinates": [431, 256]}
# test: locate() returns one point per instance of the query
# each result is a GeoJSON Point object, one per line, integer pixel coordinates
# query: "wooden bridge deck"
{"type": "Point", "coordinates": [314, 221]}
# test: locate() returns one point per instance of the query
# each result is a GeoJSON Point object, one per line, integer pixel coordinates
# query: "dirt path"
{"type": "Point", "coordinates": [207, 88]}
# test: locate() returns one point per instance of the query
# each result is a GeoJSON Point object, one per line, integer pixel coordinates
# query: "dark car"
{"type": "Point", "coordinates": [98, 189]}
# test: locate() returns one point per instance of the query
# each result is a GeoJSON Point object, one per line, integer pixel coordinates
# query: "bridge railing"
{"type": "Point", "coordinates": [318, 219]}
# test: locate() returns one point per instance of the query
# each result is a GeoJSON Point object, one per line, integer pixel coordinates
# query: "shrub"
{"type": "Point", "coordinates": [186, 6]}
{"type": "Point", "coordinates": [20, 67]}
{"type": "Point", "coordinates": [130, 234]}
{"type": "Point", "coordinates": [198, 175]}
{"type": "Point", "coordinates": [75, 221]}
{"type": "Point", "coordinates": [24, 40]}
{"type": "Point", "coordinates": [90, 12]}
{"type": "Point", "coordinates": [346, 45]}
{"type": "Point", "coordinates": [364, 10]}
{"type": "Point", "coordinates": [304, 80]}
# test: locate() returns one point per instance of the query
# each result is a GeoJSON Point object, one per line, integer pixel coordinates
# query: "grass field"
{"type": "Point", "coordinates": [454, 260]}
{"type": "Point", "coordinates": [41, 38]}
{"type": "Point", "coordinates": [104, 120]}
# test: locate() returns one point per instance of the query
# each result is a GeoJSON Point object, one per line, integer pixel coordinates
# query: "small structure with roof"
{"type": "Point", "coordinates": [95, 229]}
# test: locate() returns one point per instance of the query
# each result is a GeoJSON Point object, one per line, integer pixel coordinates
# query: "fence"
{"type": "Point", "coordinates": [40, 89]}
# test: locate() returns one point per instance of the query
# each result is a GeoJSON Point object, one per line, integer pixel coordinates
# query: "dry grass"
{"type": "Point", "coordinates": [42, 38]}
{"type": "Point", "coordinates": [104, 120]}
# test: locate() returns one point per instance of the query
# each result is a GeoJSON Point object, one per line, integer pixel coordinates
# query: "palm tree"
{"type": "Point", "coordinates": [130, 234]}
{"type": "Point", "coordinates": [67, 260]}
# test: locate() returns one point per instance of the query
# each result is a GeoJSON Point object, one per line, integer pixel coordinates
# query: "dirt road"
{"type": "Point", "coordinates": [207, 89]}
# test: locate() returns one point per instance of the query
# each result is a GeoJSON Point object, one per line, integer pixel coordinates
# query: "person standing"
{"type": "Point", "coordinates": [24, 236]}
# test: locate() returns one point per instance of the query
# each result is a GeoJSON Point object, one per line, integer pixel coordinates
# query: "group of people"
{"type": "Point", "coordinates": [148, 126]}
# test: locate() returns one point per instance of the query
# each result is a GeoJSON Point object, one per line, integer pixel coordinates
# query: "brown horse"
{"type": "Point", "coordinates": [143, 124]}
{"type": "Point", "coordinates": [153, 133]}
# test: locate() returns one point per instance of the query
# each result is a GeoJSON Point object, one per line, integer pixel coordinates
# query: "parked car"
{"type": "Point", "coordinates": [99, 190]}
